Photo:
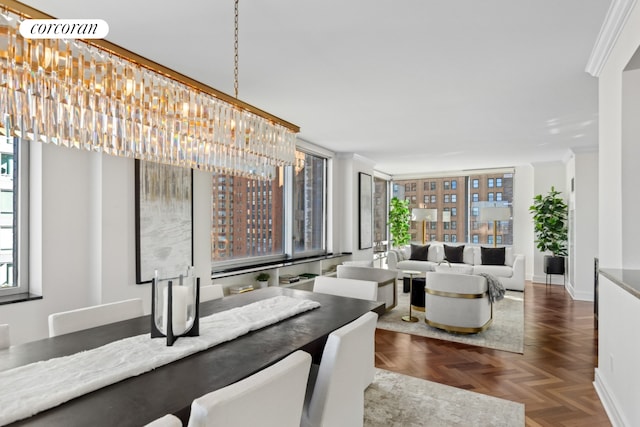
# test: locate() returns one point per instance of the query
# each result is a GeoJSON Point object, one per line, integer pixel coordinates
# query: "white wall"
{"type": "Point", "coordinates": [546, 175]}
{"type": "Point", "coordinates": [522, 221]}
{"type": "Point", "coordinates": [617, 379]}
{"type": "Point", "coordinates": [583, 203]}
{"type": "Point", "coordinates": [83, 236]}
{"type": "Point", "coordinates": [630, 172]}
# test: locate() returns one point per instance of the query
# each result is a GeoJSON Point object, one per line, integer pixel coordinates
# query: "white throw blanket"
{"type": "Point", "coordinates": [42, 385]}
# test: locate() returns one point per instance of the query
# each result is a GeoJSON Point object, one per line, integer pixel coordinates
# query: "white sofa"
{"type": "Point", "coordinates": [511, 274]}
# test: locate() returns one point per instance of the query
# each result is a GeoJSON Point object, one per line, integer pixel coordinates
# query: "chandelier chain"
{"type": "Point", "coordinates": [235, 51]}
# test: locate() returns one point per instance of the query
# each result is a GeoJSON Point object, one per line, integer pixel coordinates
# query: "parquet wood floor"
{"type": "Point", "coordinates": [553, 378]}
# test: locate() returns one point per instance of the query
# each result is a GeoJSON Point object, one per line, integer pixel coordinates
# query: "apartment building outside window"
{"type": "Point", "coordinates": [463, 199]}
{"type": "Point", "coordinates": [262, 206]}
{"type": "Point", "coordinates": [14, 208]}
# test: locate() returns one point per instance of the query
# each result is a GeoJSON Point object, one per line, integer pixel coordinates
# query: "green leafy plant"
{"type": "Point", "coordinates": [399, 217]}
{"type": "Point", "coordinates": [550, 214]}
{"type": "Point", "coordinates": [263, 277]}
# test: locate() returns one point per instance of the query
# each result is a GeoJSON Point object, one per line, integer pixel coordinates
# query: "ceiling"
{"type": "Point", "coordinates": [414, 85]}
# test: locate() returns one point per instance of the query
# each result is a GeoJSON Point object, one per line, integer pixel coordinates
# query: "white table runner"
{"type": "Point", "coordinates": [42, 385]}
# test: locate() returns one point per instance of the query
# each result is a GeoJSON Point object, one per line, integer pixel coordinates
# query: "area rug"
{"type": "Point", "coordinates": [395, 400]}
{"type": "Point", "coordinates": [505, 333]}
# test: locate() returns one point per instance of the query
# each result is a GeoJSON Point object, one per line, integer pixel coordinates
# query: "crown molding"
{"type": "Point", "coordinates": [612, 26]}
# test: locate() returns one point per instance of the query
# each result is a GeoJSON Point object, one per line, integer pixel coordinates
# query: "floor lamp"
{"type": "Point", "coordinates": [495, 214]}
{"type": "Point", "coordinates": [424, 215]}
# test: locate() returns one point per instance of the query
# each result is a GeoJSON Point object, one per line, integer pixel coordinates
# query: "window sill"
{"type": "Point", "coordinates": [12, 299]}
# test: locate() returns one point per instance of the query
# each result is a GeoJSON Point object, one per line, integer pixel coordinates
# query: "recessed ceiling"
{"type": "Point", "coordinates": [416, 85]}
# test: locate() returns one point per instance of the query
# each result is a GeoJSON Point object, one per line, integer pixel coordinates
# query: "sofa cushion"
{"type": "Point", "coordinates": [494, 270]}
{"type": "Point", "coordinates": [419, 253]}
{"type": "Point", "coordinates": [471, 255]}
{"type": "Point", "coordinates": [492, 256]}
{"type": "Point", "coordinates": [416, 265]}
{"type": "Point", "coordinates": [454, 253]}
{"type": "Point", "coordinates": [509, 258]}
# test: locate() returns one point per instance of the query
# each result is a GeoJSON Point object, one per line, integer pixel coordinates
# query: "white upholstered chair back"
{"type": "Point", "coordinates": [272, 397]}
{"type": "Point", "coordinates": [89, 317]}
{"type": "Point", "coordinates": [336, 398]}
{"type": "Point", "coordinates": [5, 340]}
{"type": "Point", "coordinates": [361, 289]}
{"type": "Point", "coordinates": [166, 421]}
{"type": "Point", "coordinates": [210, 292]}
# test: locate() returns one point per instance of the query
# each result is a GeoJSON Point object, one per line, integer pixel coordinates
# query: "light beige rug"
{"type": "Point", "coordinates": [505, 333]}
{"type": "Point", "coordinates": [395, 400]}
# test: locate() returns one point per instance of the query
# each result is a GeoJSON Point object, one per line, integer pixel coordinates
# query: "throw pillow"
{"type": "Point", "coordinates": [419, 252]}
{"type": "Point", "coordinates": [492, 256]}
{"type": "Point", "coordinates": [453, 253]}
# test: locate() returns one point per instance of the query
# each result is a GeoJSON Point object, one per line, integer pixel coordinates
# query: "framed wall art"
{"type": "Point", "coordinates": [164, 220]}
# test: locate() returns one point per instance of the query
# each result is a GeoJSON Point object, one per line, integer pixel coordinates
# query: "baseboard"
{"type": "Point", "coordinates": [578, 296]}
{"type": "Point", "coordinates": [555, 279]}
{"type": "Point", "coordinates": [616, 418]}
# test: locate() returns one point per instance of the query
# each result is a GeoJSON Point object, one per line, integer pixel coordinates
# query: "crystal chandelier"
{"type": "Point", "coordinates": [96, 96]}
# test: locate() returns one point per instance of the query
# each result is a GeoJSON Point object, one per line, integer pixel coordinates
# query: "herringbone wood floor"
{"type": "Point", "coordinates": [553, 378]}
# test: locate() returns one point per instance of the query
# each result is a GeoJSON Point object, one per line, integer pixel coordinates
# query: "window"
{"type": "Point", "coordinates": [454, 225]}
{"type": "Point", "coordinates": [407, 188]}
{"type": "Point", "coordinates": [490, 239]}
{"type": "Point", "coordinates": [474, 190]}
{"type": "Point", "coordinates": [446, 237]}
{"type": "Point", "coordinates": [454, 238]}
{"type": "Point", "coordinates": [292, 204]}
{"type": "Point", "coordinates": [14, 208]}
{"type": "Point", "coordinates": [309, 204]}
{"type": "Point", "coordinates": [475, 239]}
{"type": "Point", "coordinates": [498, 239]}
{"type": "Point", "coordinates": [433, 225]}
{"type": "Point", "coordinates": [446, 225]}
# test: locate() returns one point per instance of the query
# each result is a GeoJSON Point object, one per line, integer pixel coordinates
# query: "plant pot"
{"type": "Point", "coordinates": [554, 264]}
{"type": "Point", "coordinates": [263, 284]}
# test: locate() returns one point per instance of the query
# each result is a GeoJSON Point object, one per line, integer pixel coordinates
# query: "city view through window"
{"type": "Point", "coordinates": [250, 218]}
{"type": "Point", "coordinates": [458, 200]}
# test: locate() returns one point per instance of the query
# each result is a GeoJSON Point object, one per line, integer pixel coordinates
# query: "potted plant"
{"type": "Point", "coordinates": [550, 214]}
{"type": "Point", "coordinates": [399, 217]}
{"type": "Point", "coordinates": [263, 279]}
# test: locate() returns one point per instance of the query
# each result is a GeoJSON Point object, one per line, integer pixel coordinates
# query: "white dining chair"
{"type": "Point", "coordinates": [335, 397]}
{"type": "Point", "coordinates": [361, 289]}
{"type": "Point", "coordinates": [89, 317]}
{"type": "Point", "coordinates": [168, 420]}
{"type": "Point", "coordinates": [5, 340]}
{"type": "Point", "coordinates": [272, 397]}
{"type": "Point", "coordinates": [211, 292]}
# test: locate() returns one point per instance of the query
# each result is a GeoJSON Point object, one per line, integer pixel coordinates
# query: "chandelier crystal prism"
{"type": "Point", "coordinates": [81, 95]}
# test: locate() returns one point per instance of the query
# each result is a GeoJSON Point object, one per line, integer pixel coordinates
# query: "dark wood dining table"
{"type": "Point", "coordinates": [139, 400]}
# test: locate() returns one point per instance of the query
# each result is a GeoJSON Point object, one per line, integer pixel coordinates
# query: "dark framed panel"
{"type": "Point", "coordinates": [164, 219]}
{"type": "Point", "coordinates": [365, 210]}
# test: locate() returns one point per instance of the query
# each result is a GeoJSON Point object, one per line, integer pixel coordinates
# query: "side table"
{"type": "Point", "coordinates": [412, 274]}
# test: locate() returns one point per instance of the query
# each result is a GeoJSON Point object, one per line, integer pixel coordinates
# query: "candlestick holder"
{"type": "Point", "coordinates": [175, 305]}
